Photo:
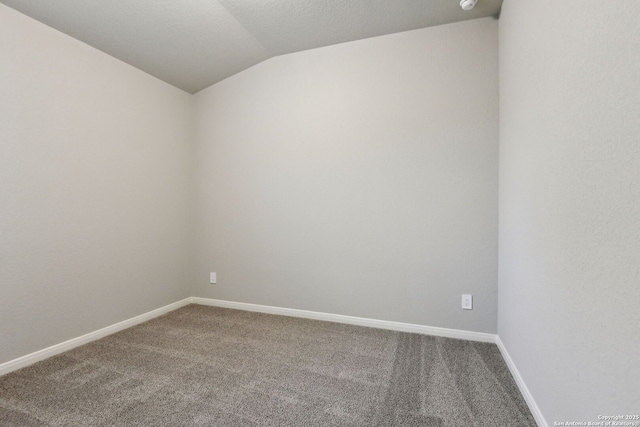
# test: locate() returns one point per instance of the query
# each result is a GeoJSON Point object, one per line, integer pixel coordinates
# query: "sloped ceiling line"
{"type": "Point", "coordinates": [192, 44]}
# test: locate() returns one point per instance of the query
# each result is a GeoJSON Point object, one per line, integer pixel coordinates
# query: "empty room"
{"type": "Point", "coordinates": [319, 213]}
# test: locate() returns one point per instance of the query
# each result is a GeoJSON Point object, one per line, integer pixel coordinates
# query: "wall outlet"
{"type": "Point", "coordinates": [467, 301]}
{"type": "Point", "coordinates": [212, 278]}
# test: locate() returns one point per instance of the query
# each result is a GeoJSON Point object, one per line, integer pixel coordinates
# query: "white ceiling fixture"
{"type": "Point", "coordinates": [468, 4]}
{"type": "Point", "coordinates": [193, 44]}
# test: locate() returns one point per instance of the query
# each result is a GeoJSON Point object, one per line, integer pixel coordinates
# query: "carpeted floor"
{"type": "Point", "coordinates": [206, 366]}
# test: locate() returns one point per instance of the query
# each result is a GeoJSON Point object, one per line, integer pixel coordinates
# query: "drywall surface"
{"type": "Point", "coordinates": [569, 283]}
{"type": "Point", "coordinates": [94, 188]}
{"type": "Point", "coordinates": [357, 179]}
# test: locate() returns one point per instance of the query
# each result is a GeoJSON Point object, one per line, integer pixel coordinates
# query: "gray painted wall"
{"type": "Point", "coordinates": [94, 188]}
{"type": "Point", "coordinates": [357, 179]}
{"type": "Point", "coordinates": [570, 204]}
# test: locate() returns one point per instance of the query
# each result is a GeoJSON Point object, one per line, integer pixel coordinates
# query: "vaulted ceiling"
{"type": "Point", "coordinates": [193, 44]}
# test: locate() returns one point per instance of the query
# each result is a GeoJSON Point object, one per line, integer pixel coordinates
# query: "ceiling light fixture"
{"type": "Point", "coordinates": [467, 4]}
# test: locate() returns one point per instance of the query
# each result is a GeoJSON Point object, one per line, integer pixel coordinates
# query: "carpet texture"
{"type": "Point", "coordinates": [207, 366]}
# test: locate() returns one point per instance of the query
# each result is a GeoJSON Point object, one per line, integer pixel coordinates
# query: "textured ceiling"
{"type": "Point", "coordinates": [193, 44]}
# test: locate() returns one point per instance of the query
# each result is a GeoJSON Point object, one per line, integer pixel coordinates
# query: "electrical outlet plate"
{"type": "Point", "coordinates": [467, 302]}
{"type": "Point", "coordinates": [212, 278]}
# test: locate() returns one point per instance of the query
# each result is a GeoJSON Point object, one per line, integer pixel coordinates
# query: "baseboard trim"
{"type": "Point", "coordinates": [350, 320]}
{"type": "Point", "coordinates": [39, 355]}
{"type": "Point", "coordinates": [528, 397]}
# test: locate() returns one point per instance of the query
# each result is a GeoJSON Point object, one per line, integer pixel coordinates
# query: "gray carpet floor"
{"type": "Point", "coordinates": [207, 366]}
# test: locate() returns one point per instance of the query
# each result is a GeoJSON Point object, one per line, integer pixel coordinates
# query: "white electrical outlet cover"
{"type": "Point", "coordinates": [467, 301]}
{"type": "Point", "coordinates": [212, 278]}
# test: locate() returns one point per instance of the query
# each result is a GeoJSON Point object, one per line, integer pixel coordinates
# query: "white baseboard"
{"type": "Point", "coordinates": [533, 407]}
{"type": "Point", "coordinates": [37, 356]}
{"type": "Point", "coordinates": [350, 320]}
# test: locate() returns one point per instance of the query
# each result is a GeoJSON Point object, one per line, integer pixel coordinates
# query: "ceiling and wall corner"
{"type": "Point", "coordinates": [97, 157]}
{"type": "Point", "coordinates": [74, 89]}
{"type": "Point", "coordinates": [94, 188]}
{"type": "Point", "coordinates": [192, 44]}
